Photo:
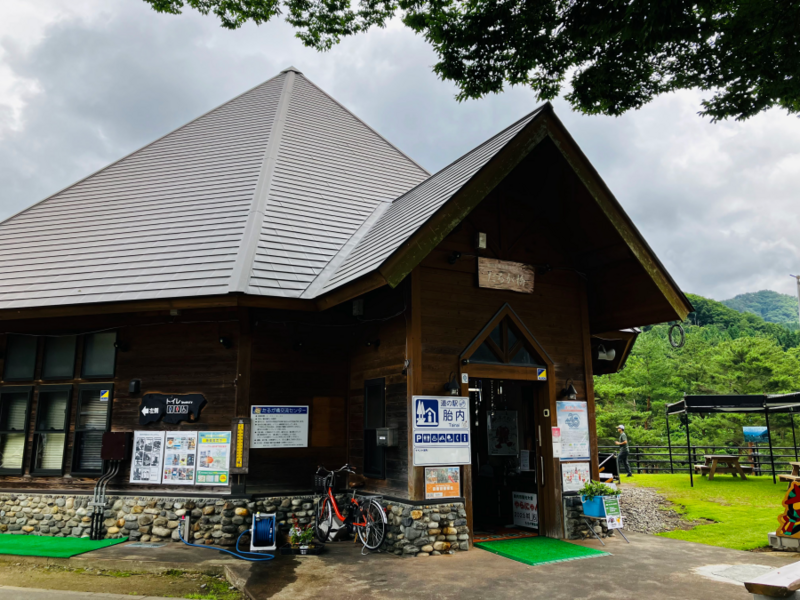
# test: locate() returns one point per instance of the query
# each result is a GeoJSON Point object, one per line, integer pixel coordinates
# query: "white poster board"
{"type": "Point", "coordinates": [526, 509]}
{"type": "Point", "coordinates": [180, 458]}
{"type": "Point", "coordinates": [573, 421]}
{"type": "Point", "coordinates": [213, 458]}
{"type": "Point", "coordinates": [503, 435]}
{"type": "Point", "coordinates": [574, 476]}
{"type": "Point", "coordinates": [277, 426]}
{"type": "Point", "coordinates": [524, 460]}
{"type": "Point", "coordinates": [148, 454]}
{"type": "Point", "coordinates": [441, 431]}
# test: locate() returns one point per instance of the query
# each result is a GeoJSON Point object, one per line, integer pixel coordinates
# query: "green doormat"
{"type": "Point", "coordinates": [539, 550]}
{"type": "Point", "coordinates": [51, 547]}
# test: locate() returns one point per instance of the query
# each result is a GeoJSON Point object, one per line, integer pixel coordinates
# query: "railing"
{"type": "Point", "coordinates": [659, 459]}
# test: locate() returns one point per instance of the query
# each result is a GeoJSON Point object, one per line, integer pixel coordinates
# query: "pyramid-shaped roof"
{"type": "Point", "coordinates": [257, 196]}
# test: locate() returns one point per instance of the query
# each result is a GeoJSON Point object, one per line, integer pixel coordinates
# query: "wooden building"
{"type": "Point", "coordinates": [277, 251]}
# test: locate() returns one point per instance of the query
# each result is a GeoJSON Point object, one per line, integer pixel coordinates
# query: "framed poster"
{"type": "Point", "coordinates": [180, 458]}
{"type": "Point", "coordinates": [503, 435]}
{"type": "Point", "coordinates": [442, 482]}
{"type": "Point", "coordinates": [441, 431]}
{"type": "Point", "coordinates": [213, 458]}
{"type": "Point", "coordinates": [148, 454]}
{"type": "Point", "coordinates": [574, 476]}
{"type": "Point", "coordinates": [526, 509]}
{"type": "Point", "coordinates": [279, 426]}
{"type": "Point", "coordinates": [573, 422]}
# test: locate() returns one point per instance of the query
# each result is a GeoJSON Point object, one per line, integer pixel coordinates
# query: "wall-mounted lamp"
{"type": "Point", "coordinates": [135, 386]}
{"type": "Point", "coordinates": [226, 342]}
{"type": "Point", "coordinates": [603, 354]}
{"type": "Point", "coordinates": [122, 346]}
{"type": "Point", "coordinates": [480, 241]}
{"type": "Point", "coordinates": [569, 392]}
{"type": "Point", "coordinates": [452, 386]}
{"type": "Point", "coordinates": [454, 256]}
{"type": "Point", "coordinates": [374, 343]}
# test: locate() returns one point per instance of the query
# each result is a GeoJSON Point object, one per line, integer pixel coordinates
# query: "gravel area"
{"type": "Point", "coordinates": [646, 511]}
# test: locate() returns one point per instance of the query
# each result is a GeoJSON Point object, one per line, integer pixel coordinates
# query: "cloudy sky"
{"type": "Point", "coordinates": [85, 82]}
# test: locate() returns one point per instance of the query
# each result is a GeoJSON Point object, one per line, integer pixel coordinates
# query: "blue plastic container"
{"type": "Point", "coordinates": [593, 507]}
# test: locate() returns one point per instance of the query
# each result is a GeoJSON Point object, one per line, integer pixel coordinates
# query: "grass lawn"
{"type": "Point", "coordinates": [743, 511]}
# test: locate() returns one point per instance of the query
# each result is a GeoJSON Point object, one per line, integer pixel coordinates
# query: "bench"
{"type": "Point", "coordinates": [704, 469]}
{"type": "Point", "coordinates": [780, 583]}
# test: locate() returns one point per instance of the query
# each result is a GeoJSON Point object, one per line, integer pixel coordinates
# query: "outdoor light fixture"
{"type": "Point", "coordinates": [453, 258]}
{"type": "Point", "coordinates": [569, 391]}
{"type": "Point", "coordinates": [134, 386]}
{"type": "Point", "coordinates": [122, 346]}
{"type": "Point", "coordinates": [480, 241]}
{"type": "Point", "coordinates": [603, 354]}
{"type": "Point", "coordinates": [226, 342]}
{"type": "Point", "coordinates": [375, 343]}
{"type": "Point", "coordinates": [452, 386]}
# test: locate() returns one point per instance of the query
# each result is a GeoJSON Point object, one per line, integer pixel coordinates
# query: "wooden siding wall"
{"type": "Point", "coordinates": [169, 354]}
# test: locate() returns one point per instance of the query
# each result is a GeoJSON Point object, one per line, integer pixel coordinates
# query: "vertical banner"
{"type": "Point", "coordinates": [573, 421]}
{"type": "Point", "coordinates": [213, 458]}
{"type": "Point", "coordinates": [526, 509]}
{"type": "Point", "coordinates": [148, 452]}
{"type": "Point", "coordinates": [180, 458]}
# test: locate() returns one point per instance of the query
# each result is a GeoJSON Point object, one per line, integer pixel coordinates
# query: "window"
{"type": "Point", "coordinates": [374, 417]}
{"type": "Point", "coordinates": [20, 358]}
{"type": "Point", "coordinates": [93, 418]}
{"type": "Point", "coordinates": [15, 404]}
{"type": "Point", "coordinates": [59, 357]}
{"type": "Point", "coordinates": [504, 345]}
{"type": "Point", "coordinates": [50, 434]}
{"type": "Point", "coordinates": [99, 354]}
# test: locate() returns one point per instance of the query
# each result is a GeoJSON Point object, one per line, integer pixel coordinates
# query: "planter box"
{"type": "Point", "coordinates": [593, 507]}
{"type": "Point", "coordinates": [317, 548]}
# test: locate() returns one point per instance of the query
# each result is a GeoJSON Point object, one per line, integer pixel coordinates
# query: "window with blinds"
{"type": "Point", "coordinates": [20, 359]}
{"type": "Point", "coordinates": [50, 434]}
{"type": "Point", "coordinates": [14, 410]}
{"type": "Point", "coordinates": [93, 417]}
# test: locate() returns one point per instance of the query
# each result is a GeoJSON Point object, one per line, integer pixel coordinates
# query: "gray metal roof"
{"type": "Point", "coordinates": [261, 195]}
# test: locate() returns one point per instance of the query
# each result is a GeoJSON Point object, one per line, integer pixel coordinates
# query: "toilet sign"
{"type": "Point", "coordinates": [441, 434]}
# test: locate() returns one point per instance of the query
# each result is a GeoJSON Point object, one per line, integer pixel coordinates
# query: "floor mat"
{"type": "Point", "coordinates": [539, 550]}
{"type": "Point", "coordinates": [502, 533]}
{"type": "Point", "coordinates": [51, 547]}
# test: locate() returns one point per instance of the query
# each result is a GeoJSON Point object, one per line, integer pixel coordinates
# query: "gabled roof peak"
{"type": "Point", "coordinates": [293, 70]}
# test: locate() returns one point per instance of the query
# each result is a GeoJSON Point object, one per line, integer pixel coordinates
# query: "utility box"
{"type": "Point", "coordinates": [116, 445]}
{"type": "Point", "coordinates": [386, 437]}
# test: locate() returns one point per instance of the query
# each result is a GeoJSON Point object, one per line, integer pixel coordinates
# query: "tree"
{"type": "Point", "coordinates": [618, 54]}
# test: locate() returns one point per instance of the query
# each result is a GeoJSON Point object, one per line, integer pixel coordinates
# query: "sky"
{"type": "Point", "coordinates": [85, 82]}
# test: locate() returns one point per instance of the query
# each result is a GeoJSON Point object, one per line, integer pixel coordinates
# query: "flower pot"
{"type": "Point", "coordinates": [593, 507]}
{"type": "Point", "coordinates": [311, 549]}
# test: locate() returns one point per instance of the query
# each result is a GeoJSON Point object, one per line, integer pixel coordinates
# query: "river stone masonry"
{"type": "Point", "coordinates": [428, 530]}
{"type": "Point", "coordinates": [575, 527]}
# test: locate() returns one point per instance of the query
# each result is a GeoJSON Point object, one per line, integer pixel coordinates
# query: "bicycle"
{"type": "Point", "coordinates": [366, 516]}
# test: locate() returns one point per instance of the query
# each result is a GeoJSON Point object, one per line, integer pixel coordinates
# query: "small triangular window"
{"type": "Point", "coordinates": [505, 346]}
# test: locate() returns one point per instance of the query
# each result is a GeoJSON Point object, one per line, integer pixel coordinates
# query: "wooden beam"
{"type": "Point", "coordinates": [244, 359]}
{"type": "Point", "coordinates": [355, 288]}
{"type": "Point", "coordinates": [416, 475]}
{"type": "Point", "coordinates": [586, 339]}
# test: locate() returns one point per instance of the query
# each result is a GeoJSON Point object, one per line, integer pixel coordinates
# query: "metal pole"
{"type": "Point", "coordinates": [797, 277]}
{"type": "Point", "coordinates": [689, 452]}
{"type": "Point", "coordinates": [769, 439]}
{"type": "Point", "coordinates": [669, 445]}
{"type": "Point", "coordinates": [794, 439]}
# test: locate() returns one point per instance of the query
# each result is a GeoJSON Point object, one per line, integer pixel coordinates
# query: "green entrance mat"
{"type": "Point", "coordinates": [51, 547]}
{"type": "Point", "coordinates": [539, 550]}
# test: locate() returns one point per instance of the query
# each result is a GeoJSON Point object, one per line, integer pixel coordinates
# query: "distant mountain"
{"type": "Point", "coordinates": [770, 306]}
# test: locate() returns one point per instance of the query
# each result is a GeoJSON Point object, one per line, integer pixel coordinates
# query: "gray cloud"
{"type": "Point", "coordinates": [716, 202]}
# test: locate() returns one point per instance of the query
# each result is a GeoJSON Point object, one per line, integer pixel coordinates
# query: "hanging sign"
{"type": "Point", "coordinates": [525, 510]}
{"type": "Point", "coordinates": [505, 275]}
{"type": "Point", "coordinates": [574, 476]}
{"type": "Point", "coordinates": [441, 430]}
{"type": "Point", "coordinates": [279, 426]}
{"type": "Point", "coordinates": [148, 452]}
{"type": "Point", "coordinates": [573, 421]}
{"type": "Point", "coordinates": [442, 482]}
{"type": "Point", "coordinates": [173, 408]}
{"type": "Point", "coordinates": [180, 458]}
{"type": "Point", "coordinates": [613, 512]}
{"type": "Point", "coordinates": [213, 458]}
{"type": "Point", "coordinates": [503, 435]}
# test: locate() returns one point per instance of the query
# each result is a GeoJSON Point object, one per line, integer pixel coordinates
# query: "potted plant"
{"type": "Point", "coordinates": [592, 494]}
{"type": "Point", "coordinates": [301, 540]}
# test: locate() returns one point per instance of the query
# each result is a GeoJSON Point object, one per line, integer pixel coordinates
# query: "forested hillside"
{"type": "Point", "coordinates": [771, 306]}
{"type": "Point", "coordinates": [726, 352]}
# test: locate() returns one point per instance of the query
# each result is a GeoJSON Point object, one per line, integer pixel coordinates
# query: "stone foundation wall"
{"type": "Point", "coordinates": [575, 527]}
{"type": "Point", "coordinates": [427, 530]}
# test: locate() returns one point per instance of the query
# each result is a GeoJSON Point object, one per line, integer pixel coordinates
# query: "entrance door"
{"type": "Point", "coordinates": [504, 454]}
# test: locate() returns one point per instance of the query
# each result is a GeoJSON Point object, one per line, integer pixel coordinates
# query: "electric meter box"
{"type": "Point", "coordinates": [386, 437]}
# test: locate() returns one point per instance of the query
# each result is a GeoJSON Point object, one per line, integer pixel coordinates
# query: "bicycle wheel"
{"type": "Point", "coordinates": [323, 519]}
{"type": "Point", "coordinates": [375, 530]}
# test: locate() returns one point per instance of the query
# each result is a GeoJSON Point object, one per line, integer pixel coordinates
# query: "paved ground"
{"type": "Point", "coordinates": [650, 567]}
{"type": "Point", "coordinates": [15, 593]}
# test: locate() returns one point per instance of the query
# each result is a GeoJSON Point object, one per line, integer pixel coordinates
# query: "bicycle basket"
{"type": "Point", "coordinates": [319, 483]}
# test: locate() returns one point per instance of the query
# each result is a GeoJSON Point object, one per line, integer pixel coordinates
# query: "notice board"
{"type": "Point", "coordinates": [180, 458]}
{"type": "Point", "coordinates": [441, 433]}
{"type": "Point", "coordinates": [213, 457]}
{"type": "Point", "coordinates": [148, 455]}
{"type": "Point", "coordinates": [278, 426]}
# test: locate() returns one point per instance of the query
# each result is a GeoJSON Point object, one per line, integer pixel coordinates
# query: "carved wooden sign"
{"type": "Point", "coordinates": [505, 275]}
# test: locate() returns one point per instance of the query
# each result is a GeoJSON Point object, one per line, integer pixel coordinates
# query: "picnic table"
{"type": "Point", "coordinates": [795, 476]}
{"type": "Point", "coordinates": [712, 466]}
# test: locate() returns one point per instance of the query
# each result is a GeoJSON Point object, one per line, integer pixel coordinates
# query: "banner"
{"type": "Point", "coordinates": [442, 482]}
{"type": "Point", "coordinates": [441, 433]}
{"type": "Point", "coordinates": [180, 458]}
{"type": "Point", "coordinates": [148, 452]}
{"type": "Point", "coordinates": [573, 421]}
{"type": "Point", "coordinates": [213, 458]}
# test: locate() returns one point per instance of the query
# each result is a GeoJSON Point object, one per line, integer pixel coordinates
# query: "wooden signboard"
{"type": "Point", "coordinates": [505, 275]}
{"type": "Point", "coordinates": [240, 457]}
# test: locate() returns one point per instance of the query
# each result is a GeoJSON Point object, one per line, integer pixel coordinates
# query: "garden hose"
{"type": "Point", "coordinates": [238, 553]}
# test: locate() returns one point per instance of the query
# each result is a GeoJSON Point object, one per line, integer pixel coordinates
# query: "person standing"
{"type": "Point", "coordinates": [623, 451]}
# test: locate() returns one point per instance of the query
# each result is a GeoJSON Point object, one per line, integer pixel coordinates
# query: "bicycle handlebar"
{"type": "Point", "coordinates": [348, 468]}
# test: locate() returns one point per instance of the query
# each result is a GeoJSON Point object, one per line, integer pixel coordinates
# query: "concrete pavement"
{"type": "Point", "coordinates": [17, 593]}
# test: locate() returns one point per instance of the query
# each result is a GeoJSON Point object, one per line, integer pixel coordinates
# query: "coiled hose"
{"type": "Point", "coordinates": [260, 534]}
